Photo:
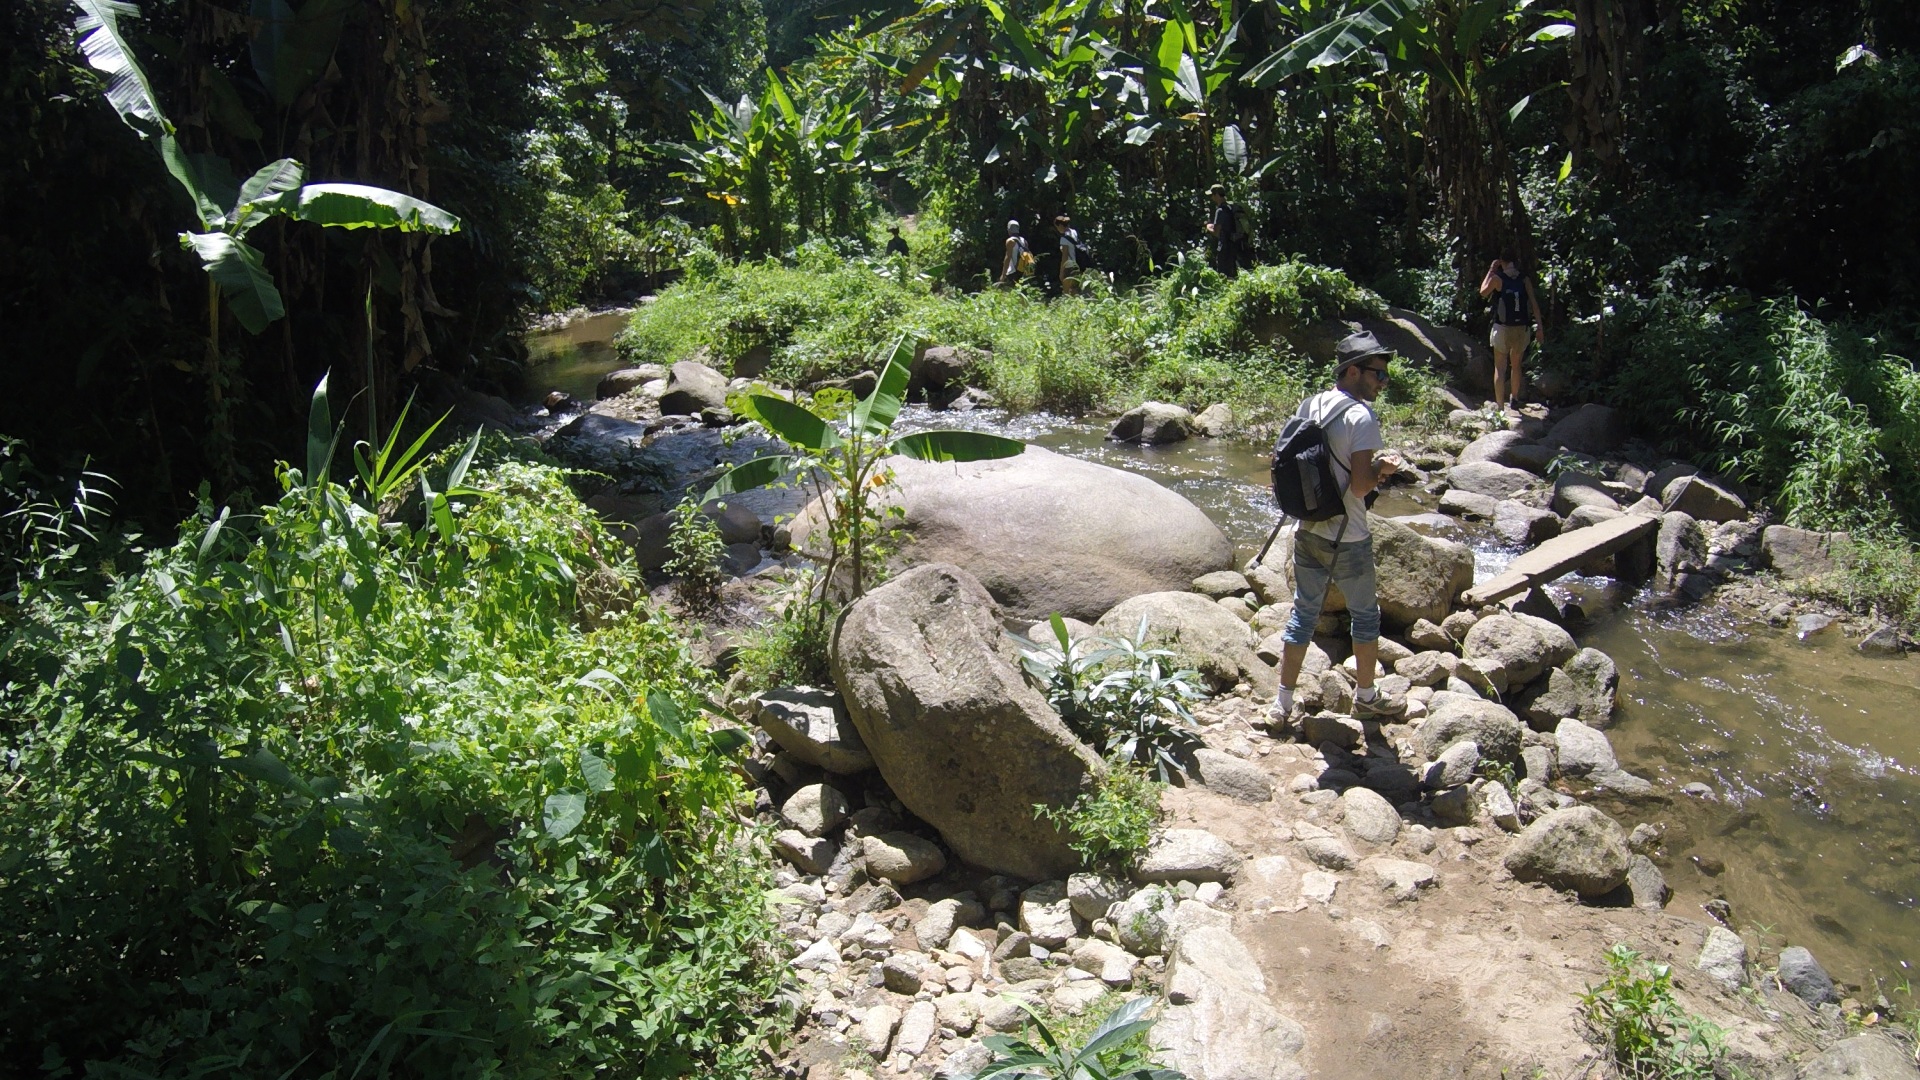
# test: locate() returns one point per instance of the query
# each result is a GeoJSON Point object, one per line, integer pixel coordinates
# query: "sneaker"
{"type": "Point", "coordinates": [1381, 707]}
{"type": "Point", "coordinates": [1282, 709]}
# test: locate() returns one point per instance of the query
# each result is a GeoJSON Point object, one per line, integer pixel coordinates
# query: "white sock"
{"type": "Point", "coordinates": [1366, 693]}
{"type": "Point", "coordinates": [1283, 700]}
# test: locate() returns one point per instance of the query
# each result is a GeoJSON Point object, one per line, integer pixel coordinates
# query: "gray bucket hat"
{"type": "Point", "coordinates": [1354, 348]}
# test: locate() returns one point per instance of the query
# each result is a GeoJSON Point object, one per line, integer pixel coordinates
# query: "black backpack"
{"type": "Point", "coordinates": [1302, 471]}
{"type": "Point", "coordinates": [1510, 307]}
{"type": "Point", "coordinates": [1082, 253]}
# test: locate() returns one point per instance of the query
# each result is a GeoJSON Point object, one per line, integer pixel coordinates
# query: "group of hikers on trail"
{"type": "Point", "coordinates": [1017, 258]}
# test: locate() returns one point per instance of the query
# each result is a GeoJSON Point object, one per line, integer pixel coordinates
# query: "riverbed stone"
{"type": "Point", "coordinates": [1214, 421]}
{"type": "Point", "coordinates": [1401, 879]}
{"type": "Point", "coordinates": [1702, 499]}
{"type": "Point", "coordinates": [1429, 668]}
{"type": "Point", "coordinates": [1369, 816]}
{"type": "Point", "coordinates": [1723, 958]}
{"type": "Point", "coordinates": [810, 854]}
{"type": "Point", "coordinates": [692, 387]}
{"type": "Point", "coordinates": [1140, 922]}
{"type": "Point", "coordinates": [1092, 894]}
{"type": "Point", "coordinates": [903, 858]}
{"type": "Point", "coordinates": [1187, 855]}
{"type": "Point", "coordinates": [1221, 584]}
{"type": "Point", "coordinates": [930, 681]}
{"type": "Point", "coordinates": [1451, 716]}
{"type": "Point", "coordinates": [1046, 914]}
{"type": "Point", "coordinates": [1679, 550]}
{"type": "Point", "coordinates": [935, 929]}
{"type": "Point", "coordinates": [1418, 576]}
{"type": "Point", "coordinates": [1522, 525]}
{"type": "Point", "coordinates": [1799, 554]}
{"type": "Point", "coordinates": [1648, 884]}
{"type": "Point", "coordinates": [1230, 776]}
{"type": "Point", "coordinates": [1487, 478]}
{"type": "Point", "coordinates": [815, 809]}
{"type": "Point", "coordinates": [1468, 504]}
{"type": "Point", "coordinates": [812, 725]}
{"type": "Point", "coordinates": [1803, 975]}
{"type": "Point", "coordinates": [1153, 423]}
{"type": "Point", "coordinates": [1866, 1056]}
{"type": "Point", "coordinates": [1578, 849]}
{"type": "Point", "coordinates": [1583, 751]}
{"type": "Point", "coordinates": [1455, 765]}
{"type": "Point", "coordinates": [1517, 647]}
{"type": "Point", "coordinates": [1573, 490]}
{"type": "Point", "coordinates": [1510, 448]}
{"type": "Point", "coordinates": [1218, 1023]}
{"type": "Point", "coordinates": [615, 383]}
{"type": "Point", "coordinates": [876, 1027]}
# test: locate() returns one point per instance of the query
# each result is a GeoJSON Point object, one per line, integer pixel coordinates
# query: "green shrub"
{"type": "Point", "coordinates": [694, 563]}
{"type": "Point", "coordinates": [1112, 822]}
{"type": "Point", "coordinates": [317, 793]}
{"type": "Point", "coordinates": [1633, 1019]}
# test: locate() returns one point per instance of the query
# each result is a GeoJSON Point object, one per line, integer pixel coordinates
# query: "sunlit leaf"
{"type": "Point", "coordinates": [241, 273]}
{"type": "Point", "coordinates": [563, 813]}
{"type": "Point", "coordinates": [955, 446]}
{"type": "Point", "coordinates": [748, 475]}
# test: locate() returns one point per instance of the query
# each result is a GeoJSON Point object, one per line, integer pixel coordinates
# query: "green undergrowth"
{"type": "Point", "coordinates": [1190, 337]}
{"type": "Point", "coordinates": [315, 793]}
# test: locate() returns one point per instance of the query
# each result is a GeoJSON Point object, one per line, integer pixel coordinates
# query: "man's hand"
{"type": "Point", "coordinates": [1540, 335]}
{"type": "Point", "coordinates": [1388, 465]}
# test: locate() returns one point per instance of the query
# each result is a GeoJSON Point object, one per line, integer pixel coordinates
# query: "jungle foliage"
{"type": "Point", "coordinates": [334, 790]}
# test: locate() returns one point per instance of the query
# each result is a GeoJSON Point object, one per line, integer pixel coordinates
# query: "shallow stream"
{"type": "Point", "coordinates": [1811, 750]}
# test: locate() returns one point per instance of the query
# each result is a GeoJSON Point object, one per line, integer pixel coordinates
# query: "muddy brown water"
{"type": "Point", "coordinates": [1810, 751]}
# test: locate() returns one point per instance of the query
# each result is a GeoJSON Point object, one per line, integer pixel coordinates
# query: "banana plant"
{"type": "Point", "coordinates": [845, 461]}
{"type": "Point", "coordinates": [226, 211]}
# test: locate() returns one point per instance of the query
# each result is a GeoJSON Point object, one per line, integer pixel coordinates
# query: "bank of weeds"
{"type": "Point", "coordinates": [317, 792]}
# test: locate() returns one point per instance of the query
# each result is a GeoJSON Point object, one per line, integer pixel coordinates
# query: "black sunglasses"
{"type": "Point", "coordinates": [1377, 372]}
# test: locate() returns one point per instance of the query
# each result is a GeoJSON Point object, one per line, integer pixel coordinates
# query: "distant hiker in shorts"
{"type": "Point", "coordinates": [1339, 550]}
{"type": "Point", "coordinates": [896, 246]}
{"type": "Point", "coordinates": [1015, 260]}
{"type": "Point", "coordinates": [1516, 311]}
{"type": "Point", "coordinates": [1069, 254]}
{"type": "Point", "coordinates": [1224, 232]}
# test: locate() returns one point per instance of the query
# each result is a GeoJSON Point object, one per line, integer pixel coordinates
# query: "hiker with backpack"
{"type": "Point", "coordinates": [1227, 232]}
{"type": "Point", "coordinates": [1516, 311]}
{"type": "Point", "coordinates": [1324, 470]}
{"type": "Point", "coordinates": [1015, 259]}
{"type": "Point", "coordinates": [1070, 250]}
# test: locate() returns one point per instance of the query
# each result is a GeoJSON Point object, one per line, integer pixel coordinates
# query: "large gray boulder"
{"type": "Point", "coordinates": [1153, 423]}
{"type": "Point", "coordinates": [1219, 1023]}
{"type": "Point", "coordinates": [1585, 689]}
{"type": "Point", "coordinates": [1579, 850]}
{"type": "Point", "coordinates": [1417, 577]}
{"type": "Point", "coordinates": [1589, 429]}
{"type": "Point", "coordinates": [1703, 500]}
{"type": "Point", "coordinates": [931, 683]}
{"type": "Point", "coordinates": [1522, 525]}
{"type": "Point", "coordinates": [615, 383]}
{"type": "Point", "coordinates": [1516, 648]}
{"type": "Point", "coordinates": [691, 388]}
{"type": "Point", "coordinates": [1451, 717]}
{"type": "Point", "coordinates": [1487, 478]}
{"type": "Point", "coordinates": [1046, 533]}
{"type": "Point", "coordinates": [1796, 554]}
{"type": "Point", "coordinates": [1201, 634]}
{"type": "Point", "coordinates": [1573, 490]}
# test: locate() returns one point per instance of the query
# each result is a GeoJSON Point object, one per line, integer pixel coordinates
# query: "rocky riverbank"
{"type": "Point", "coordinates": [1330, 898]}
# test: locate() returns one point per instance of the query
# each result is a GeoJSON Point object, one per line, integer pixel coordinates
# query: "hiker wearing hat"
{"type": "Point", "coordinates": [1339, 550]}
{"type": "Point", "coordinates": [896, 245]}
{"type": "Point", "coordinates": [1224, 231]}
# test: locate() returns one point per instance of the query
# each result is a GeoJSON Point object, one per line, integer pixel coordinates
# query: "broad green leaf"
{"type": "Point", "coordinates": [1332, 43]}
{"type": "Point", "coordinates": [1474, 21]}
{"type": "Point", "coordinates": [1234, 146]}
{"type": "Point", "coordinates": [1566, 168]}
{"type": "Point", "coordinates": [563, 813]}
{"type": "Point", "coordinates": [1119, 1026]}
{"type": "Point", "coordinates": [320, 434]}
{"type": "Point", "coordinates": [213, 532]}
{"type": "Point", "coordinates": [457, 475]}
{"type": "Point", "coordinates": [1173, 47]}
{"type": "Point", "coordinates": [666, 714]}
{"type": "Point", "coordinates": [206, 183]}
{"type": "Point", "coordinates": [875, 414]}
{"type": "Point", "coordinates": [956, 446]}
{"type": "Point", "coordinates": [358, 206]}
{"type": "Point", "coordinates": [748, 475]}
{"type": "Point", "coordinates": [794, 425]}
{"type": "Point", "coordinates": [106, 51]}
{"type": "Point", "coordinates": [1141, 134]}
{"type": "Point", "coordinates": [1553, 32]}
{"type": "Point", "coordinates": [241, 273]}
{"type": "Point", "coordinates": [780, 98]}
{"type": "Point", "coordinates": [595, 770]}
{"type": "Point", "coordinates": [1518, 108]}
{"type": "Point", "coordinates": [271, 182]}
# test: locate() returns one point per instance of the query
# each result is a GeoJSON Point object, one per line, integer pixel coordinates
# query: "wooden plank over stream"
{"type": "Point", "coordinates": [1563, 553]}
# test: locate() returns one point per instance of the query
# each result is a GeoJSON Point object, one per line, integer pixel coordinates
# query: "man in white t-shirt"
{"type": "Point", "coordinates": [1340, 550]}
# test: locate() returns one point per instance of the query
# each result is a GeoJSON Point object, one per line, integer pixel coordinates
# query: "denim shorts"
{"type": "Point", "coordinates": [1316, 561]}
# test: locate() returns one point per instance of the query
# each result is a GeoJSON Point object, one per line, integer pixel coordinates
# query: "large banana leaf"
{"type": "Point", "coordinates": [955, 446]}
{"type": "Point", "coordinates": [206, 178]}
{"type": "Point", "coordinates": [1332, 43]}
{"type": "Point", "coordinates": [242, 275]}
{"type": "Point", "coordinates": [791, 423]}
{"type": "Point", "coordinates": [271, 182]}
{"type": "Point", "coordinates": [874, 415]}
{"type": "Point", "coordinates": [748, 475]}
{"type": "Point", "coordinates": [357, 206]}
{"type": "Point", "coordinates": [106, 49]}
